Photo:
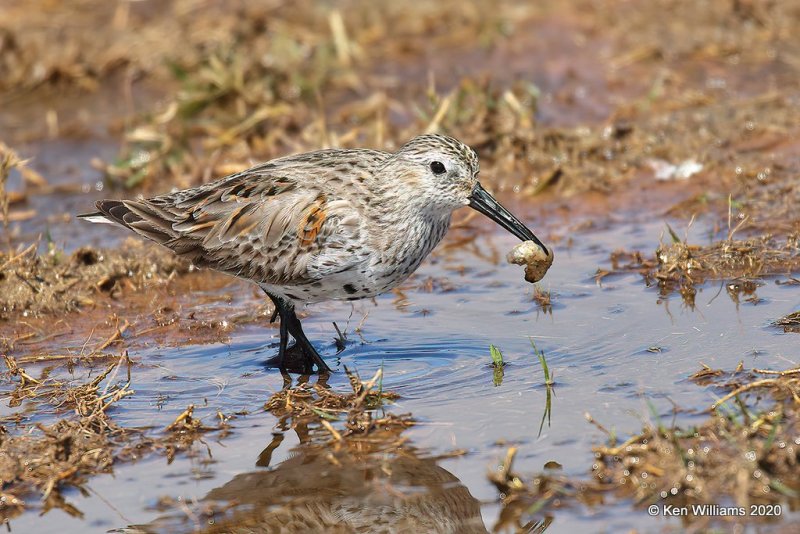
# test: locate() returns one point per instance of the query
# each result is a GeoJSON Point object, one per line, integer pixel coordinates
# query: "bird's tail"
{"type": "Point", "coordinates": [134, 215]}
{"type": "Point", "coordinates": [95, 217]}
{"type": "Point", "coordinates": [109, 212]}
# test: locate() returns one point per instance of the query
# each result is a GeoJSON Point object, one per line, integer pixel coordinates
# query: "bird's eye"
{"type": "Point", "coordinates": [437, 167]}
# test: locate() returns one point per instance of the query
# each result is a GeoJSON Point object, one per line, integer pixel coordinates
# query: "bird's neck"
{"type": "Point", "coordinates": [407, 225]}
{"type": "Point", "coordinates": [409, 235]}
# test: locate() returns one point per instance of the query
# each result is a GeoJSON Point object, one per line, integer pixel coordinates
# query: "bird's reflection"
{"type": "Point", "coordinates": [373, 483]}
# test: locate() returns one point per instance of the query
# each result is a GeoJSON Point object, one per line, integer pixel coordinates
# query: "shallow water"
{"type": "Point", "coordinates": [610, 346]}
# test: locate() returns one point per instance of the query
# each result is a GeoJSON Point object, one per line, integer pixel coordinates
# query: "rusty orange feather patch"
{"type": "Point", "coordinates": [312, 223]}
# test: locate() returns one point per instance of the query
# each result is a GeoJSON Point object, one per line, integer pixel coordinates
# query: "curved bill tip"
{"type": "Point", "coordinates": [480, 200]}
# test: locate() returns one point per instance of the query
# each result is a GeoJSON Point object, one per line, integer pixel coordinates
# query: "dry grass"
{"type": "Point", "coordinates": [42, 461]}
{"type": "Point", "coordinates": [384, 483]}
{"type": "Point", "coordinates": [338, 418]}
{"type": "Point", "coordinates": [745, 452]}
{"type": "Point", "coordinates": [9, 162]}
{"type": "Point", "coordinates": [543, 299]}
{"type": "Point", "coordinates": [32, 284]}
{"type": "Point", "coordinates": [526, 503]}
{"type": "Point", "coordinates": [49, 458]}
{"type": "Point", "coordinates": [202, 89]}
{"type": "Point", "coordinates": [262, 80]}
{"type": "Point", "coordinates": [790, 323]}
{"type": "Point", "coordinates": [679, 266]}
{"type": "Point", "coordinates": [353, 464]}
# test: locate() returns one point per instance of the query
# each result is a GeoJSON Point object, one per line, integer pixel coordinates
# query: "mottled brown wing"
{"type": "Point", "coordinates": [255, 224]}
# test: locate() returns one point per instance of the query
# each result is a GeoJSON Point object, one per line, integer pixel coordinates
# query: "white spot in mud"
{"type": "Point", "coordinates": [665, 171]}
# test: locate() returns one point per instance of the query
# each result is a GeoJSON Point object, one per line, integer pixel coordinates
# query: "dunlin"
{"type": "Point", "coordinates": [330, 224]}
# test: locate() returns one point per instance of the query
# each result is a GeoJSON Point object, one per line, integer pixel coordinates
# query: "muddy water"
{"type": "Point", "coordinates": [611, 347]}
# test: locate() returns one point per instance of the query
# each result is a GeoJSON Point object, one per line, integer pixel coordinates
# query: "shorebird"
{"type": "Point", "coordinates": [330, 224]}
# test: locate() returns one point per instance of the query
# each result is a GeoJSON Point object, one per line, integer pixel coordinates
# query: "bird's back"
{"type": "Point", "coordinates": [286, 222]}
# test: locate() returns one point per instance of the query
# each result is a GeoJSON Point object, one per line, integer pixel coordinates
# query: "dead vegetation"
{"type": "Point", "coordinates": [383, 483]}
{"type": "Point", "coordinates": [95, 41]}
{"type": "Point", "coordinates": [746, 452]}
{"type": "Point", "coordinates": [259, 81]}
{"type": "Point", "coordinates": [356, 414]}
{"type": "Point", "coordinates": [236, 123]}
{"type": "Point", "coordinates": [790, 323]}
{"type": "Point", "coordinates": [10, 161]}
{"type": "Point", "coordinates": [250, 95]}
{"type": "Point", "coordinates": [41, 462]}
{"type": "Point", "coordinates": [679, 266]}
{"type": "Point", "coordinates": [617, 98]}
{"type": "Point", "coordinates": [32, 284]}
{"type": "Point", "coordinates": [51, 457]}
{"type": "Point", "coordinates": [527, 504]}
{"type": "Point", "coordinates": [543, 299]}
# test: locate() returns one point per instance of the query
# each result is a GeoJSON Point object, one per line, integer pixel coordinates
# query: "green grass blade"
{"type": "Point", "coordinates": [497, 356]}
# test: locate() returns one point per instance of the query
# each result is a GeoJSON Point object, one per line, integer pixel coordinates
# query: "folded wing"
{"type": "Point", "coordinates": [254, 224]}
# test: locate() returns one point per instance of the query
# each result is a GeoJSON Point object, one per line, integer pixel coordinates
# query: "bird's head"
{"type": "Point", "coordinates": [443, 173]}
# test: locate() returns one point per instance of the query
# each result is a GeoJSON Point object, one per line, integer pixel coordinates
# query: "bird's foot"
{"type": "Point", "coordinates": [296, 359]}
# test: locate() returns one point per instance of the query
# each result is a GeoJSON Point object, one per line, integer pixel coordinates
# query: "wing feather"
{"type": "Point", "coordinates": [285, 222]}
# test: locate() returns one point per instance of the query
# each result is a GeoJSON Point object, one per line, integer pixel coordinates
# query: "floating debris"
{"type": "Point", "coordinates": [39, 461]}
{"type": "Point", "coordinates": [356, 413]}
{"type": "Point", "coordinates": [790, 323]}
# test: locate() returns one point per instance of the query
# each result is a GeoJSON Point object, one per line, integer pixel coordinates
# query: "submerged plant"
{"type": "Point", "coordinates": [497, 356]}
{"type": "Point", "coordinates": [498, 364]}
{"type": "Point", "coordinates": [548, 378]}
{"type": "Point", "coordinates": [548, 383]}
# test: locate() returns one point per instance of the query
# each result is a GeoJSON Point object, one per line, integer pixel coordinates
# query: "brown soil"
{"type": "Point", "coordinates": [32, 284]}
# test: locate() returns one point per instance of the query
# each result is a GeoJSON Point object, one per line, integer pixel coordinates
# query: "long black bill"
{"type": "Point", "coordinates": [485, 203]}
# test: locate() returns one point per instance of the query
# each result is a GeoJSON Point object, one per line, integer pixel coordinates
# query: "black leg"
{"type": "Point", "coordinates": [280, 309]}
{"type": "Point", "coordinates": [312, 356]}
{"type": "Point", "coordinates": [284, 342]}
{"type": "Point", "coordinates": [290, 324]}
